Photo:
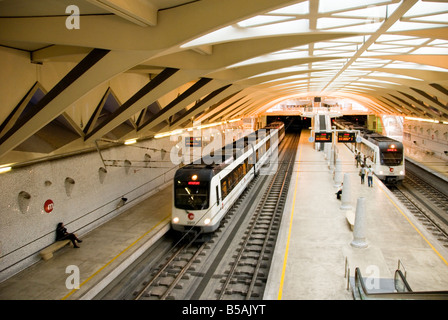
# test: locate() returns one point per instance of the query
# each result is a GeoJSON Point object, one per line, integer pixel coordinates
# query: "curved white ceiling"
{"type": "Point", "coordinates": [237, 57]}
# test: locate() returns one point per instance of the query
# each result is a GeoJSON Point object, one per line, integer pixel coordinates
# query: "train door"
{"type": "Point", "coordinates": [217, 195]}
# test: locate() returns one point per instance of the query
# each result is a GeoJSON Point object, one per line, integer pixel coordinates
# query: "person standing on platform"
{"type": "Point", "coordinates": [358, 159]}
{"type": "Point", "coordinates": [370, 176]}
{"type": "Point", "coordinates": [362, 173]}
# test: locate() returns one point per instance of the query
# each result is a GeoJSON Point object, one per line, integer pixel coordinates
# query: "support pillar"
{"type": "Point", "coordinates": [338, 174]}
{"type": "Point", "coordinates": [346, 193]}
{"type": "Point", "coordinates": [359, 238]}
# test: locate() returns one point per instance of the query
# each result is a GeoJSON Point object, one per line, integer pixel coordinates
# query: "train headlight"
{"type": "Point", "coordinates": [207, 221]}
{"type": "Point", "coordinates": [194, 177]}
{"type": "Point", "coordinates": [381, 172]}
{"type": "Point", "coordinates": [402, 172]}
{"type": "Point", "coordinates": [176, 220]}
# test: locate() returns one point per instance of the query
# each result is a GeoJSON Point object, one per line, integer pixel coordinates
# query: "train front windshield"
{"type": "Point", "coordinates": [191, 195]}
{"type": "Point", "coordinates": [392, 157]}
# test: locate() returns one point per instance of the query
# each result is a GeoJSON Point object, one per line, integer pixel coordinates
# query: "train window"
{"type": "Point", "coordinates": [223, 188]}
{"type": "Point", "coordinates": [391, 158]}
{"type": "Point", "coordinates": [191, 197]}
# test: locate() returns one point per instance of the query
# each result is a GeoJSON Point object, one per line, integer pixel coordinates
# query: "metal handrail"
{"type": "Point", "coordinates": [400, 278]}
{"type": "Point", "coordinates": [411, 295]}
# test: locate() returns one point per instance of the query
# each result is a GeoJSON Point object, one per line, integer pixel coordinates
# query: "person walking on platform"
{"type": "Point", "coordinates": [62, 234]}
{"type": "Point", "coordinates": [362, 173]}
{"type": "Point", "coordinates": [370, 176]}
{"type": "Point", "coordinates": [358, 159]}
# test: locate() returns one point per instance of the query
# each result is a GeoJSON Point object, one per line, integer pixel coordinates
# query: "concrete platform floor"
{"type": "Point", "coordinates": [315, 236]}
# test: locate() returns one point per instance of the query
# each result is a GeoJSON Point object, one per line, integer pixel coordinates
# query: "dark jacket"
{"type": "Point", "coordinates": [61, 232]}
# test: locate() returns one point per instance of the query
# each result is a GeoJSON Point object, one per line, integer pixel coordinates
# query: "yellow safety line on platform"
{"type": "Point", "coordinates": [113, 259]}
{"type": "Point", "coordinates": [415, 228]}
{"type": "Point", "coordinates": [280, 292]}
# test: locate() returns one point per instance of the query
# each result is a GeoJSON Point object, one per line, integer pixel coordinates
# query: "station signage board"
{"type": "Point", "coordinates": [193, 142]}
{"type": "Point", "coordinates": [347, 137]}
{"type": "Point", "coordinates": [323, 136]}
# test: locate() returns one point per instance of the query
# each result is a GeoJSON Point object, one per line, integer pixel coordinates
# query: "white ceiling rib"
{"type": "Point", "coordinates": [373, 51]}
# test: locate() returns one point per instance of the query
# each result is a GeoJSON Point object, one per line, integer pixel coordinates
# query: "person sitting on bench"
{"type": "Point", "coordinates": [62, 234]}
{"type": "Point", "coordinates": [339, 193]}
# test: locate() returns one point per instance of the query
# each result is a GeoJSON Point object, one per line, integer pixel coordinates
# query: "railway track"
{"type": "Point", "coordinates": [247, 273]}
{"type": "Point", "coordinates": [234, 263]}
{"type": "Point", "coordinates": [425, 202]}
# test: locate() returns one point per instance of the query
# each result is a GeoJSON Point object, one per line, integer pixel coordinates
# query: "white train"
{"type": "Point", "coordinates": [384, 154]}
{"type": "Point", "coordinates": [204, 192]}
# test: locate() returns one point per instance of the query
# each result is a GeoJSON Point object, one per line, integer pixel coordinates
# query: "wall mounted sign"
{"type": "Point", "coordinates": [48, 206]}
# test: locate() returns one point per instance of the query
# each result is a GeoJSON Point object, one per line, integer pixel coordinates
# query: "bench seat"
{"type": "Point", "coordinates": [47, 253]}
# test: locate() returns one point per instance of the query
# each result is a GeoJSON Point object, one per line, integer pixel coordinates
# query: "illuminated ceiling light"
{"type": "Point", "coordinates": [130, 141]}
{"type": "Point", "coordinates": [5, 169]}
{"type": "Point", "coordinates": [421, 119]}
{"type": "Point", "coordinates": [167, 134]}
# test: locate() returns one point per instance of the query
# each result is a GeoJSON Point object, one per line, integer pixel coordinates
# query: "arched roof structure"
{"type": "Point", "coordinates": [207, 60]}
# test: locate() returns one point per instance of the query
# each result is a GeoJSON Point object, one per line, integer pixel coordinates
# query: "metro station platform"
{"type": "Point", "coordinates": [104, 253]}
{"type": "Point", "coordinates": [315, 236]}
{"type": "Point", "coordinates": [428, 162]}
{"type": "Point", "coordinates": [310, 255]}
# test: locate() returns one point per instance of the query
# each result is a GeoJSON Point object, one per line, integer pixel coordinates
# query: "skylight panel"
{"type": "Point", "coordinates": [336, 46]}
{"type": "Point", "coordinates": [426, 8]}
{"type": "Point", "coordinates": [330, 23]}
{"type": "Point", "coordinates": [236, 33]}
{"type": "Point", "coordinates": [414, 66]}
{"type": "Point", "coordinates": [431, 50]}
{"type": "Point", "coordinates": [333, 5]}
{"type": "Point", "coordinates": [376, 80]}
{"type": "Point", "coordinates": [361, 27]}
{"type": "Point", "coordinates": [408, 26]}
{"type": "Point", "coordinates": [371, 12]}
{"type": "Point", "coordinates": [331, 53]}
{"type": "Point", "coordinates": [393, 37]}
{"type": "Point", "coordinates": [403, 42]}
{"type": "Point", "coordinates": [391, 75]}
{"type": "Point", "coordinates": [438, 18]}
{"type": "Point", "coordinates": [355, 39]}
{"type": "Point", "coordinates": [439, 42]}
{"type": "Point", "coordinates": [263, 20]}
{"type": "Point", "coordinates": [271, 57]}
{"type": "Point", "coordinates": [282, 70]}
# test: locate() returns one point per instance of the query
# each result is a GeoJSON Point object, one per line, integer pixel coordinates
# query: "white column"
{"type": "Point", "coordinates": [359, 238]}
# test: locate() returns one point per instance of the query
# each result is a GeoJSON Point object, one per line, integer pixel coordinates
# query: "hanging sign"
{"type": "Point", "coordinates": [193, 142]}
{"type": "Point", "coordinates": [323, 136]}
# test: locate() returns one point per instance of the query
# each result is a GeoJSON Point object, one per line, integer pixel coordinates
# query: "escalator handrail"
{"type": "Point", "coordinates": [412, 295]}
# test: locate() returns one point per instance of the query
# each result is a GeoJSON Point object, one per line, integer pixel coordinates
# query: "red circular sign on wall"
{"type": "Point", "coordinates": [48, 206]}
